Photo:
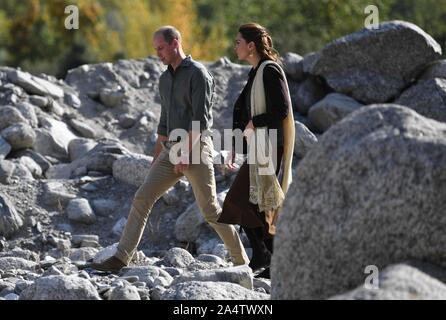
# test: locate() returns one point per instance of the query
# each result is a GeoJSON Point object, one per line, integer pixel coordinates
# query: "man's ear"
{"type": "Point", "coordinates": [176, 43]}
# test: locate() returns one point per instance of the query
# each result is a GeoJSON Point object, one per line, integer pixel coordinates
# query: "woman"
{"type": "Point", "coordinates": [263, 104]}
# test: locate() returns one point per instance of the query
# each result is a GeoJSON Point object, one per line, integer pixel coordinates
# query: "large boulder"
{"type": "Point", "coordinates": [60, 287]}
{"type": "Point", "coordinates": [436, 69]}
{"type": "Point", "coordinates": [53, 138]}
{"type": "Point", "coordinates": [187, 226]}
{"type": "Point", "coordinates": [29, 113]}
{"type": "Point", "coordinates": [399, 282]}
{"type": "Point", "coordinates": [312, 90]}
{"type": "Point", "coordinates": [35, 85]}
{"type": "Point", "coordinates": [293, 66]}
{"type": "Point", "coordinates": [374, 65]}
{"type": "Point", "coordinates": [79, 210]}
{"type": "Point", "coordinates": [428, 98]}
{"type": "Point", "coordinates": [19, 136]}
{"type": "Point", "coordinates": [5, 148]}
{"type": "Point", "coordinates": [10, 116]}
{"type": "Point", "coordinates": [13, 263]}
{"type": "Point", "coordinates": [207, 290]}
{"type": "Point", "coordinates": [371, 192]}
{"type": "Point", "coordinates": [10, 220]}
{"type": "Point", "coordinates": [77, 148]}
{"type": "Point", "coordinates": [132, 169]}
{"type": "Point", "coordinates": [304, 140]}
{"type": "Point", "coordinates": [241, 275]}
{"type": "Point", "coordinates": [331, 109]}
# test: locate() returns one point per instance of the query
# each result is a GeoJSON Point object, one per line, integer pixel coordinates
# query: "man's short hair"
{"type": "Point", "coordinates": [169, 33]}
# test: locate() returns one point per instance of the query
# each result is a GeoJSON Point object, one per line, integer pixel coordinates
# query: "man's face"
{"type": "Point", "coordinates": [165, 51]}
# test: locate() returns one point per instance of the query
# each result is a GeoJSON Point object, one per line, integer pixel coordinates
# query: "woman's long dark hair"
{"type": "Point", "coordinates": [262, 39]}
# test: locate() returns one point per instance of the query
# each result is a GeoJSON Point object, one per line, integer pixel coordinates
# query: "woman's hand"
{"type": "Point", "coordinates": [229, 163]}
{"type": "Point", "coordinates": [249, 130]}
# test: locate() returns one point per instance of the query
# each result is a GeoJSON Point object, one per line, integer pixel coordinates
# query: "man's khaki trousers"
{"type": "Point", "coordinates": [159, 179]}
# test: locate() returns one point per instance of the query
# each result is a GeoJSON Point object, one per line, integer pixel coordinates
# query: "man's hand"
{"type": "Point", "coordinates": [183, 165]}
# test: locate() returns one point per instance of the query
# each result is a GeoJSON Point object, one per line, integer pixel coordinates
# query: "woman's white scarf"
{"type": "Point", "coordinates": [264, 187]}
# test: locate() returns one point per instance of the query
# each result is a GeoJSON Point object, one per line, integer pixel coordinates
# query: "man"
{"type": "Point", "coordinates": [186, 90]}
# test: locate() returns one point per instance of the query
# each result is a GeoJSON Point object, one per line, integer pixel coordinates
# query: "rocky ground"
{"type": "Point", "coordinates": [369, 179]}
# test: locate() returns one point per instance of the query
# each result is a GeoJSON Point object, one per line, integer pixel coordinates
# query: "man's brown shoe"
{"type": "Point", "coordinates": [111, 264]}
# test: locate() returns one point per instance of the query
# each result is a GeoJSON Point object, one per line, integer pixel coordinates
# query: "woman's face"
{"type": "Point", "coordinates": [242, 48]}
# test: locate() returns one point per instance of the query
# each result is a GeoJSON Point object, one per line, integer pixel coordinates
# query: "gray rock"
{"type": "Point", "coordinates": [28, 112]}
{"type": "Point", "coordinates": [19, 136]}
{"type": "Point", "coordinates": [208, 241]}
{"type": "Point", "coordinates": [304, 140]}
{"type": "Point", "coordinates": [104, 207]}
{"type": "Point", "coordinates": [99, 159]}
{"type": "Point", "coordinates": [5, 148]}
{"type": "Point", "coordinates": [21, 253]}
{"type": "Point", "coordinates": [10, 116]}
{"type": "Point", "coordinates": [147, 274]}
{"type": "Point", "coordinates": [72, 100]}
{"type": "Point", "coordinates": [198, 290]}
{"type": "Point", "coordinates": [10, 220]}
{"type": "Point", "coordinates": [12, 263]}
{"type": "Point", "coordinates": [102, 157]}
{"type": "Point", "coordinates": [83, 254]}
{"type": "Point", "coordinates": [32, 166]}
{"type": "Point", "coordinates": [78, 239]}
{"type": "Point", "coordinates": [211, 258]}
{"type": "Point", "coordinates": [112, 97]}
{"type": "Point", "coordinates": [428, 98]}
{"type": "Point", "coordinates": [171, 196]}
{"type": "Point", "coordinates": [309, 61]}
{"type": "Point", "coordinates": [371, 192]}
{"type": "Point", "coordinates": [79, 210]}
{"type": "Point", "coordinates": [35, 85]}
{"type": "Point", "coordinates": [43, 163]}
{"type": "Point", "coordinates": [125, 292]}
{"type": "Point", "coordinates": [60, 171]}
{"type": "Point", "coordinates": [22, 172]}
{"type": "Point", "coordinates": [11, 296]}
{"type": "Point", "coordinates": [53, 138]}
{"type": "Point", "coordinates": [374, 65]}
{"type": "Point", "coordinates": [241, 275]}
{"type": "Point", "coordinates": [262, 283]}
{"type": "Point", "coordinates": [331, 109]}
{"type": "Point", "coordinates": [178, 257]}
{"type": "Point", "coordinates": [39, 101]}
{"type": "Point", "coordinates": [6, 171]}
{"type": "Point", "coordinates": [60, 288]}
{"type": "Point", "coordinates": [105, 253]}
{"type": "Point", "coordinates": [56, 194]}
{"type": "Point", "coordinates": [126, 121]}
{"type": "Point", "coordinates": [132, 169]}
{"type": "Point", "coordinates": [436, 69]}
{"type": "Point", "coordinates": [119, 226]}
{"type": "Point", "coordinates": [310, 92]}
{"type": "Point", "coordinates": [84, 129]}
{"type": "Point", "coordinates": [77, 148]}
{"type": "Point", "coordinates": [399, 282]}
{"type": "Point", "coordinates": [187, 226]}
{"type": "Point", "coordinates": [293, 66]}
{"type": "Point", "coordinates": [54, 107]}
